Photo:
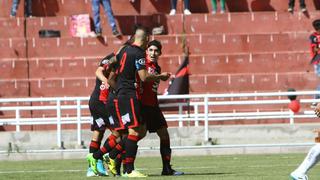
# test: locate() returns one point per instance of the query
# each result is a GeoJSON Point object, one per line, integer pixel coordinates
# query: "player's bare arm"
{"type": "Point", "coordinates": [103, 72]}
{"type": "Point", "coordinates": [165, 76]}
{"type": "Point", "coordinates": [112, 79]}
{"type": "Point", "coordinates": [145, 76]}
{"type": "Point", "coordinates": [100, 75]}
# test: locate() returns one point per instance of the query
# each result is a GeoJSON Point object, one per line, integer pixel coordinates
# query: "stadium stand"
{"type": "Point", "coordinates": [253, 41]}
{"type": "Point", "coordinates": [255, 46]}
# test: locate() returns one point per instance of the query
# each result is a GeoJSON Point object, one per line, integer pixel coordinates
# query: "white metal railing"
{"type": "Point", "coordinates": [199, 104]}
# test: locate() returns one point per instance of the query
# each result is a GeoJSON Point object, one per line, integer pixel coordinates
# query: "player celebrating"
{"type": "Point", "coordinates": [130, 72]}
{"type": "Point", "coordinates": [99, 113]}
{"type": "Point", "coordinates": [151, 112]}
{"type": "Point", "coordinates": [315, 49]}
{"type": "Point", "coordinates": [311, 159]}
{"type": "Point", "coordinates": [102, 99]}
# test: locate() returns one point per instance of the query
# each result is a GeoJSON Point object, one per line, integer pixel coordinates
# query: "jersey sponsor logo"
{"type": "Point", "coordinates": [125, 118]}
{"type": "Point", "coordinates": [141, 61]}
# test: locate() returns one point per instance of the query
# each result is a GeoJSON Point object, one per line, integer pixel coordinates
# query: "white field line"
{"type": "Point", "coordinates": [143, 169]}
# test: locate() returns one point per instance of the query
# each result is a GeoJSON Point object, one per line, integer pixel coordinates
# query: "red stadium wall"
{"type": "Point", "coordinates": [147, 7]}
{"type": "Point", "coordinates": [243, 51]}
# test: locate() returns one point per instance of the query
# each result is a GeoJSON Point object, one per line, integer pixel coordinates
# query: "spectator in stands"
{"type": "Point", "coordinates": [174, 7]}
{"type": "Point", "coordinates": [108, 11]}
{"type": "Point", "coordinates": [302, 6]}
{"type": "Point", "coordinates": [27, 8]}
{"type": "Point", "coordinates": [315, 49]}
{"type": "Point", "coordinates": [222, 6]}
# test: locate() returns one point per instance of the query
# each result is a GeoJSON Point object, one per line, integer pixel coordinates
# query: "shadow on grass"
{"type": "Point", "coordinates": [192, 174]}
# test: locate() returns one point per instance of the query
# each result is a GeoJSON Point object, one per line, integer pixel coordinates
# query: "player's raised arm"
{"type": "Point", "coordinates": [100, 75]}
{"type": "Point", "coordinates": [104, 68]}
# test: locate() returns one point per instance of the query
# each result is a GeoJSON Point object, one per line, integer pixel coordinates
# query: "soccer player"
{"type": "Point", "coordinates": [99, 113]}
{"type": "Point", "coordinates": [130, 72]}
{"type": "Point", "coordinates": [310, 160]}
{"type": "Point", "coordinates": [151, 112]}
{"type": "Point", "coordinates": [315, 48]}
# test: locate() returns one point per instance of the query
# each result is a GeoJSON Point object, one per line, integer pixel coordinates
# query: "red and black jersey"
{"type": "Point", "coordinates": [101, 91]}
{"type": "Point", "coordinates": [150, 88]}
{"type": "Point", "coordinates": [131, 59]}
{"type": "Point", "coordinates": [314, 42]}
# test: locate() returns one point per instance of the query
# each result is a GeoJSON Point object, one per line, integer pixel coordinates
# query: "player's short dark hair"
{"type": "Point", "coordinates": [316, 24]}
{"type": "Point", "coordinates": [140, 27]}
{"type": "Point", "coordinates": [155, 43]}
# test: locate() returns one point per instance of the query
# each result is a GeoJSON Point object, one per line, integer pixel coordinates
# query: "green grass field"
{"type": "Point", "coordinates": [232, 167]}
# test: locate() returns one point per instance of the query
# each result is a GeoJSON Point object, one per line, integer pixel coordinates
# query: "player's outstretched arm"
{"type": "Point", "coordinates": [145, 76]}
{"type": "Point", "coordinates": [165, 76]}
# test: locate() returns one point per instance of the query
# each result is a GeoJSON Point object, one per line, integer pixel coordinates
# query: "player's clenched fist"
{"type": "Point", "coordinates": [165, 76]}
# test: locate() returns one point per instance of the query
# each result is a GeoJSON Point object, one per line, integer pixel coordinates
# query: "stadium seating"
{"type": "Point", "coordinates": [256, 47]}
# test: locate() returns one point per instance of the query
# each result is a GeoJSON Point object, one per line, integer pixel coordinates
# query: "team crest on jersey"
{"type": "Point", "coordinates": [102, 87]}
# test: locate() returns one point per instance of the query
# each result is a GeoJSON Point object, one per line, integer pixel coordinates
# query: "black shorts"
{"type": "Point", "coordinates": [99, 115]}
{"type": "Point", "coordinates": [128, 111]}
{"type": "Point", "coordinates": [113, 116]}
{"type": "Point", "coordinates": [153, 117]}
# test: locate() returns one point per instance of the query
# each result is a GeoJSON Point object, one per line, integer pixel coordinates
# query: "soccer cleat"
{"type": "Point", "coordinates": [168, 171]}
{"type": "Point", "coordinates": [92, 163]}
{"type": "Point", "coordinates": [118, 167]}
{"type": "Point", "coordinates": [111, 163]}
{"type": "Point", "coordinates": [90, 173]}
{"type": "Point", "coordinates": [172, 173]}
{"type": "Point", "coordinates": [293, 176]}
{"type": "Point", "coordinates": [101, 169]}
{"type": "Point", "coordinates": [290, 9]}
{"type": "Point", "coordinates": [135, 174]}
